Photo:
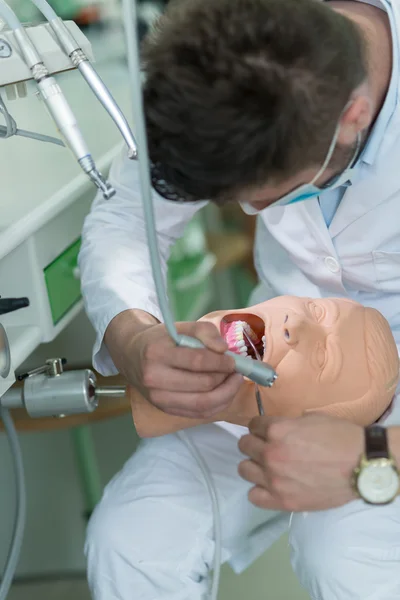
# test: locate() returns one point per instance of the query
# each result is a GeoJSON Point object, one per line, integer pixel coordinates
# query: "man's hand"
{"type": "Point", "coordinates": [180, 381]}
{"type": "Point", "coordinates": [301, 464]}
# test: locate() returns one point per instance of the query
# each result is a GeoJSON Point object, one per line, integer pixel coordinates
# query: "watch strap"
{"type": "Point", "coordinates": [376, 443]}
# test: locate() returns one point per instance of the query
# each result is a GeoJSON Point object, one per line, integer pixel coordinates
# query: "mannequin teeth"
{"type": "Point", "coordinates": [237, 339]}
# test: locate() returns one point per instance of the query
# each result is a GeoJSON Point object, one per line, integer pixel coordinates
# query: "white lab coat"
{"type": "Point", "coordinates": [358, 256]}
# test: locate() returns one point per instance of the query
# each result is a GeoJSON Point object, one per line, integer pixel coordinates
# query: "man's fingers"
{"type": "Point", "coordinates": [175, 380]}
{"type": "Point", "coordinates": [260, 497]}
{"type": "Point", "coordinates": [252, 472]}
{"type": "Point", "coordinates": [202, 360]}
{"type": "Point", "coordinates": [198, 405]}
{"type": "Point", "coordinates": [259, 426]}
{"type": "Point", "coordinates": [253, 447]}
{"type": "Point", "coordinates": [207, 333]}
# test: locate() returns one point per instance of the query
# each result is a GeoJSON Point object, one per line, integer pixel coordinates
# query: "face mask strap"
{"type": "Point", "coordinates": [333, 145]}
{"type": "Point", "coordinates": [328, 156]}
{"type": "Point", "coordinates": [357, 150]}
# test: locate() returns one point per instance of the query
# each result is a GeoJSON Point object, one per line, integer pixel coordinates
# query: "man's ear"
{"type": "Point", "coordinates": [363, 411]}
{"type": "Point", "coordinates": [356, 119]}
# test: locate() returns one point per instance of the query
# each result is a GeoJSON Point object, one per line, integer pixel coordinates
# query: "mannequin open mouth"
{"type": "Point", "coordinates": [244, 334]}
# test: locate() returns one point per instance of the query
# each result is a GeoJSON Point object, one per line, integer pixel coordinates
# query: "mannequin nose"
{"type": "Point", "coordinates": [297, 327]}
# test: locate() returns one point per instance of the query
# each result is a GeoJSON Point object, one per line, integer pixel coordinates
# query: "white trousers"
{"type": "Point", "coordinates": [151, 537]}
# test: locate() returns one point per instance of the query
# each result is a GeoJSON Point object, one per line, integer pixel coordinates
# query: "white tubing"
{"type": "Point", "coordinates": [45, 9]}
{"type": "Point", "coordinates": [9, 16]}
{"type": "Point", "coordinates": [20, 517]}
{"type": "Point", "coordinates": [132, 41]}
{"type": "Point", "coordinates": [208, 479]}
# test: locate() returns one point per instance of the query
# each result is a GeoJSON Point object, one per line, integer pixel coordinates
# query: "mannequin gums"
{"type": "Point", "coordinates": [332, 356]}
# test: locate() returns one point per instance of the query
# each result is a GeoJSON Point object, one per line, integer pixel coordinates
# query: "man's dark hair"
{"type": "Point", "coordinates": [242, 92]}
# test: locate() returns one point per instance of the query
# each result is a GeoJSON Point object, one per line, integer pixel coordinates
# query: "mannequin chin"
{"type": "Point", "coordinates": [332, 355]}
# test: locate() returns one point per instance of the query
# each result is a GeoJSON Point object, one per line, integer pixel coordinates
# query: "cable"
{"type": "Point", "coordinates": [182, 435]}
{"type": "Point", "coordinates": [130, 20]}
{"type": "Point", "coordinates": [10, 129]}
{"type": "Point", "coordinates": [9, 16]}
{"type": "Point", "coordinates": [20, 518]}
{"type": "Point", "coordinates": [46, 10]}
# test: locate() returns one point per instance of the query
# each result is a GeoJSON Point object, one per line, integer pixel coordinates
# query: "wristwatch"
{"type": "Point", "coordinates": [377, 479]}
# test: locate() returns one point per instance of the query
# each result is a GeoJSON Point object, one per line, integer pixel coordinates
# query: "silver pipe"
{"type": "Point", "coordinates": [117, 391]}
{"type": "Point", "coordinates": [106, 99]}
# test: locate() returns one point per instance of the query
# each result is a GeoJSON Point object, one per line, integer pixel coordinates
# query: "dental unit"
{"type": "Point", "coordinates": [49, 390]}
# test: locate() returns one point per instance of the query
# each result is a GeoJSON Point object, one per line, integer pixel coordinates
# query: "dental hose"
{"type": "Point", "coordinates": [20, 518]}
{"type": "Point", "coordinates": [258, 372]}
{"type": "Point", "coordinates": [55, 101]}
{"type": "Point", "coordinates": [130, 20]}
{"type": "Point", "coordinates": [208, 479]}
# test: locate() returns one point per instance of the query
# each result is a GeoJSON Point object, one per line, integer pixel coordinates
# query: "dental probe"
{"type": "Point", "coordinates": [55, 101]}
{"type": "Point", "coordinates": [258, 372]}
{"type": "Point", "coordinates": [92, 78]}
{"type": "Point", "coordinates": [257, 389]}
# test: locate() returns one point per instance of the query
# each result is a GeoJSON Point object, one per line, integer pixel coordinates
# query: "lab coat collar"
{"type": "Point", "coordinates": [303, 223]}
{"type": "Point", "coordinates": [300, 226]}
{"type": "Point", "coordinates": [371, 189]}
{"type": "Point", "coordinates": [378, 132]}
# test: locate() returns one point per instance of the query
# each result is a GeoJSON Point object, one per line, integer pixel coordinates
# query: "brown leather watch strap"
{"type": "Point", "coordinates": [376, 444]}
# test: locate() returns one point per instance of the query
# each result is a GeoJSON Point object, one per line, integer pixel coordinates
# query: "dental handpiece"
{"type": "Point", "coordinates": [67, 125]}
{"type": "Point", "coordinates": [55, 101]}
{"type": "Point", "coordinates": [256, 388]}
{"type": "Point", "coordinates": [81, 61]}
{"type": "Point", "coordinates": [257, 371]}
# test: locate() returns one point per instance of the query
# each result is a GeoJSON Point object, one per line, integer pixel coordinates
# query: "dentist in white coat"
{"type": "Point", "coordinates": [265, 102]}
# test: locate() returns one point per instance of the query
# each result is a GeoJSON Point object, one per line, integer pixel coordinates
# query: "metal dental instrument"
{"type": "Point", "coordinates": [257, 389]}
{"type": "Point", "coordinates": [258, 372]}
{"type": "Point", "coordinates": [259, 403]}
{"type": "Point", "coordinates": [81, 61]}
{"type": "Point", "coordinates": [55, 101]}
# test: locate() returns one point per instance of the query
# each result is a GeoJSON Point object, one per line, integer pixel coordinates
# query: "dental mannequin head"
{"type": "Point", "coordinates": [332, 356]}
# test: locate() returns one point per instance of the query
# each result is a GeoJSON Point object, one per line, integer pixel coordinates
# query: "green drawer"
{"type": "Point", "coordinates": [63, 287]}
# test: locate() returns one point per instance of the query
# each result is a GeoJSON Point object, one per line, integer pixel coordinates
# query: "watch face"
{"type": "Point", "coordinates": [378, 482]}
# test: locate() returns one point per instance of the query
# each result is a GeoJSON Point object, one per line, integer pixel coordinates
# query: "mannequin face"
{"type": "Point", "coordinates": [332, 355]}
{"type": "Point", "coordinates": [317, 347]}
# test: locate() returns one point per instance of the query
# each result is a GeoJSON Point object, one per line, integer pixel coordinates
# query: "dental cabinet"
{"type": "Point", "coordinates": [44, 200]}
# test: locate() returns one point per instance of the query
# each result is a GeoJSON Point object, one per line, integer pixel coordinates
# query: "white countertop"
{"type": "Point", "coordinates": [39, 178]}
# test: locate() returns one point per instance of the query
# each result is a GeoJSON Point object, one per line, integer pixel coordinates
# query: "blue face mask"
{"type": "Point", "coordinates": [308, 191]}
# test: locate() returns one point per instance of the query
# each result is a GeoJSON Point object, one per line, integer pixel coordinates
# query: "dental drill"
{"type": "Point", "coordinates": [81, 61]}
{"type": "Point", "coordinates": [55, 101]}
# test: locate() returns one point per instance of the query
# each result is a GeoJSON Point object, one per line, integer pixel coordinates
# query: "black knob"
{"type": "Point", "coordinates": [8, 305]}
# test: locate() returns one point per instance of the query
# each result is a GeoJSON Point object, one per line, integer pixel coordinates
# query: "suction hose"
{"type": "Point", "coordinates": [20, 515]}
